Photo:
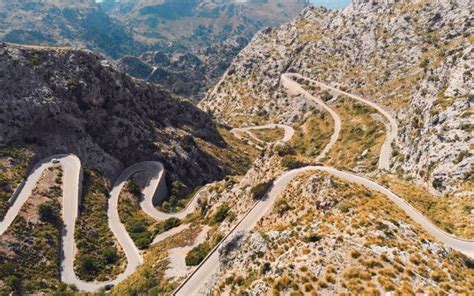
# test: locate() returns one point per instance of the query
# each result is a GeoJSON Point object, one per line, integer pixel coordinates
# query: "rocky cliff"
{"type": "Point", "coordinates": [58, 100]}
{"type": "Point", "coordinates": [184, 73]}
{"type": "Point", "coordinates": [413, 57]}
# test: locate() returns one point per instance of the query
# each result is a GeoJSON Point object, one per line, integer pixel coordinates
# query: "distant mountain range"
{"type": "Point", "coordinates": [204, 30]}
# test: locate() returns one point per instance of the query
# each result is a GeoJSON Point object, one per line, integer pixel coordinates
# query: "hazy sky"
{"type": "Point", "coordinates": [332, 3]}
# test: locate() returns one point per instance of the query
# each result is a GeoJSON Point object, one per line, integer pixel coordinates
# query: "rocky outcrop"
{"type": "Point", "coordinates": [413, 57]}
{"type": "Point", "coordinates": [69, 101]}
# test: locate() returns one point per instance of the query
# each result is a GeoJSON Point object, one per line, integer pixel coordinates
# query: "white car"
{"type": "Point", "coordinates": [55, 160]}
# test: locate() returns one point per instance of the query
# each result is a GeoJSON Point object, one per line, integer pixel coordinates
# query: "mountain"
{"type": "Point", "coordinates": [60, 100]}
{"type": "Point", "coordinates": [80, 23]}
{"type": "Point", "coordinates": [417, 67]}
{"type": "Point", "coordinates": [199, 37]}
{"type": "Point", "coordinates": [195, 40]}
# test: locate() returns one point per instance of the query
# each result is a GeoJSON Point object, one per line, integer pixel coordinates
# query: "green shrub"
{"type": "Point", "coordinates": [13, 282]}
{"type": "Point", "coordinates": [220, 214]}
{"type": "Point", "coordinates": [167, 225]}
{"type": "Point", "coordinates": [134, 189]}
{"type": "Point", "coordinates": [312, 238]}
{"type": "Point", "coordinates": [110, 255]}
{"type": "Point", "coordinates": [281, 206]}
{"type": "Point", "coordinates": [259, 190]}
{"type": "Point", "coordinates": [178, 189]}
{"type": "Point", "coordinates": [283, 150]}
{"type": "Point", "coordinates": [326, 96]}
{"type": "Point", "coordinates": [88, 263]}
{"type": "Point", "coordinates": [48, 213]}
{"type": "Point", "coordinates": [345, 208]}
{"type": "Point", "coordinates": [197, 254]}
{"type": "Point", "coordinates": [266, 267]}
{"type": "Point", "coordinates": [291, 162]}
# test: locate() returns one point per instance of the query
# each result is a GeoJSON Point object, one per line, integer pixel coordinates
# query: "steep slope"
{"type": "Point", "coordinates": [58, 100]}
{"type": "Point", "coordinates": [413, 57]}
{"type": "Point", "coordinates": [68, 23]}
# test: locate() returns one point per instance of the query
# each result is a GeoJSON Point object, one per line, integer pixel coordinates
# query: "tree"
{"type": "Point", "coordinates": [88, 263]}
{"type": "Point", "coordinates": [48, 213]}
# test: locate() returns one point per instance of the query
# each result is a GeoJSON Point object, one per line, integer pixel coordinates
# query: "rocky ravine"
{"type": "Point", "coordinates": [413, 57]}
{"type": "Point", "coordinates": [184, 73]}
{"type": "Point", "coordinates": [69, 101]}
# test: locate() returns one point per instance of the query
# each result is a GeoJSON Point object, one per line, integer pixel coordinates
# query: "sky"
{"type": "Point", "coordinates": [332, 3]}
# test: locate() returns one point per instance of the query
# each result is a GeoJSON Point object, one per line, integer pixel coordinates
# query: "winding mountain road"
{"type": "Point", "coordinates": [72, 184]}
{"type": "Point", "coordinates": [392, 130]}
{"type": "Point", "coordinates": [156, 189]}
{"type": "Point", "coordinates": [295, 88]}
{"type": "Point", "coordinates": [207, 269]}
{"type": "Point", "coordinates": [289, 132]}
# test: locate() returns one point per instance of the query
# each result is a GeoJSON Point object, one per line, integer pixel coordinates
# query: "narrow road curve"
{"type": "Point", "coordinates": [295, 88]}
{"type": "Point", "coordinates": [392, 131]}
{"type": "Point", "coordinates": [289, 132]}
{"type": "Point", "coordinates": [72, 184]}
{"type": "Point", "coordinates": [207, 269]}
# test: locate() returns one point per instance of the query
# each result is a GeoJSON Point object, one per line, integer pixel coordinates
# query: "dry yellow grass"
{"type": "Point", "coordinates": [269, 134]}
{"type": "Point", "coordinates": [311, 138]}
{"type": "Point", "coordinates": [360, 132]}
{"type": "Point", "coordinates": [440, 209]}
{"type": "Point", "coordinates": [237, 156]}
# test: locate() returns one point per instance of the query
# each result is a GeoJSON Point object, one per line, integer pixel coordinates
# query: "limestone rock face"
{"type": "Point", "coordinates": [69, 101]}
{"type": "Point", "coordinates": [413, 57]}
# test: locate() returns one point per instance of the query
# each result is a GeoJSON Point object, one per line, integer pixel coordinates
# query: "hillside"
{"type": "Point", "coordinates": [59, 100]}
{"type": "Point", "coordinates": [419, 68]}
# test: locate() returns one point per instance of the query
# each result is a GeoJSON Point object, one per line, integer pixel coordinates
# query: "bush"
{"type": "Point", "coordinates": [312, 238]}
{"type": "Point", "coordinates": [167, 225]}
{"type": "Point", "coordinates": [13, 282]}
{"type": "Point", "coordinates": [48, 213]}
{"type": "Point", "coordinates": [220, 214]}
{"type": "Point", "coordinates": [438, 184]}
{"type": "Point", "coordinates": [345, 208]}
{"type": "Point", "coordinates": [259, 190]}
{"type": "Point", "coordinates": [110, 255]}
{"type": "Point", "coordinates": [171, 223]}
{"type": "Point", "coordinates": [179, 189]}
{"type": "Point", "coordinates": [138, 226]}
{"type": "Point", "coordinates": [326, 96]}
{"type": "Point", "coordinates": [283, 150]}
{"type": "Point", "coordinates": [140, 234]}
{"type": "Point", "coordinates": [291, 162]}
{"type": "Point", "coordinates": [134, 189]}
{"type": "Point", "coordinates": [281, 206]}
{"type": "Point", "coordinates": [266, 267]}
{"type": "Point", "coordinates": [355, 254]}
{"type": "Point", "coordinates": [197, 254]}
{"type": "Point", "coordinates": [88, 263]}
